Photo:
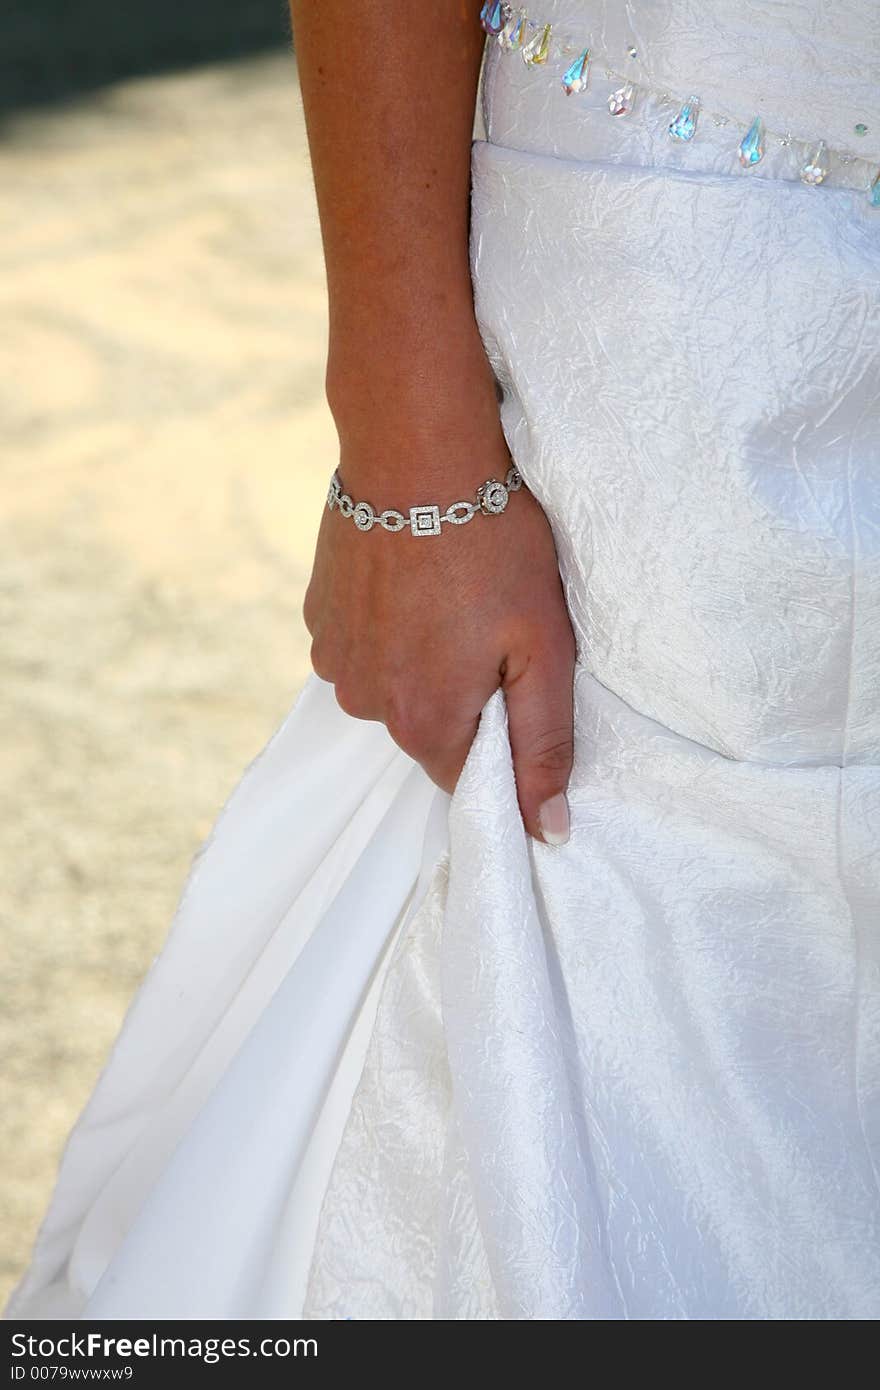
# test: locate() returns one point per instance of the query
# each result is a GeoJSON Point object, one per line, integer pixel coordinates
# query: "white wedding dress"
{"type": "Point", "coordinates": [396, 1060]}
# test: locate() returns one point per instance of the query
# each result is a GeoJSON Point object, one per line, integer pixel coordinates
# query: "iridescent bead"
{"type": "Point", "coordinates": [537, 50]}
{"type": "Point", "coordinates": [621, 102]}
{"type": "Point", "coordinates": [576, 77]}
{"type": "Point", "coordinates": [684, 126]}
{"type": "Point", "coordinates": [861, 128]}
{"type": "Point", "coordinates": [874, 191]}
{"type": "Point", "coordinates": [492, 16]}
{"type": "Point", "coordinates": [817, 167]}
{"type": "Point", "coordinates": [514, 31]}
{"type": "Point", "coordinates": [751, 150]}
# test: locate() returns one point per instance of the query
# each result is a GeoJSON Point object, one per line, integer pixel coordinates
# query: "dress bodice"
{"type": "Point", "coordinates": [804, 66]}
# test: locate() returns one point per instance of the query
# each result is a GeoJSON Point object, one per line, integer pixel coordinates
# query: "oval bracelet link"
{"type": "Point", "coordinates": [491, 499]}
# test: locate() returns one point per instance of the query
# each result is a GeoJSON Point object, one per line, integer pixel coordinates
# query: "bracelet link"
{"type": "Point", "coordinates": [425, 521]}
{"type": "Point", "coordinates": [491, 499]}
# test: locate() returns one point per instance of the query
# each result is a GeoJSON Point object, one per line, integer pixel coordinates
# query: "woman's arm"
{"type": "Point", "coordinates": [418, 633]}
{"type": "Point", "coordinates": [389, 91]}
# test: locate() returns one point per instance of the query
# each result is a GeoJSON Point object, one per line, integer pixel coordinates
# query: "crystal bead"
{"type": "Point", "coordinates": [492, 16]}
{"type": "Point", "coordinates": [514, 31]}
{"type": "Point", "coordinates": [874, 191]}
{"type": "Point", "coordinates": [861, 128]}
{"type": "Point", "coordinates": [817, 167]}
{"type": "Point", "coordinates": [632, 51]}
{"type": "Point", "coordinates": [576, 77]}
{"type": "Point", "coordinates": [620, 103]}
{"type": "Point", "coordinates": [751, 150]}
{"type": "Point", "coordinates": [684, 126]}
{"type": "Point", "coordinates": [537, 50]}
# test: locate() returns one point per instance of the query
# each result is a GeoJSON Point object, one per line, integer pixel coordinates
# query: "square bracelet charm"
{"type": "Point", "coordinates": [425, 521]}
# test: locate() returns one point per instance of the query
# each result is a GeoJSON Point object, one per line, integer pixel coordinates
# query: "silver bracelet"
{"type": "Point", "coordinates": [490, 500]}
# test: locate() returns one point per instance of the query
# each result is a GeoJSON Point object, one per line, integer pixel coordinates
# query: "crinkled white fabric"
{"type": "Point", "coordinates": [636, 1077]}
{"type": "Point", "coordinates": [699, 414]}
{"type": "Point", "coordinates": [398, 1061]}
{"type": "Point", "coordinates": [805, 66]}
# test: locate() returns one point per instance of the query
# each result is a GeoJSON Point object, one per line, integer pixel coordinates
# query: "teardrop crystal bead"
{"type": "Point", "coordinates": [537, 50]}
{"type": "Point", "coordinates": [684, 126]}
{"type": "Point", "coordinates": [817, 167]}
{"type": "Point", "coordinates": [492, 16]}
{"type": "Point", "coordinates": [514, 31]}
{"type": "Point", "coordinates": [576, 77]}
{"type": "Point", "coordinates": [874, 191]}
{"type": "Point", "coordinates": [621, 102]}
{"type": "Point", "coordinates": [751, 150]}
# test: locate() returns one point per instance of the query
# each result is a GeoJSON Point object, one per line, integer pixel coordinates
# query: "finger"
{"type": "Point", "coordinates": [356, 697]}
{"type": "Point", "coordinates": [444, 767]}
{"type": "Point", "coordinates": [540, 719]}
{"type": "Point", "coordinates": [439, 744]}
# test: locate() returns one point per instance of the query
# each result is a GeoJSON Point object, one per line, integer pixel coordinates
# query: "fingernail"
{"type": "Point", "coordinates": [554, 820]}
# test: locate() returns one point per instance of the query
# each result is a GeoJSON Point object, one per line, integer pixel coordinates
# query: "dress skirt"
{"type": "Point", "coordinates": [397, 1060]}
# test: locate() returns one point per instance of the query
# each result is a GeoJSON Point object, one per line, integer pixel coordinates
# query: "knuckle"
{"type": "Point", "coordinates": [349, 698]}
{"type": "Point", "coordinates": [311, 607]}
{"type": "Point", "coordinates": [308, 612]}
{"type": "Point", "coordinates": [319, 656]}
{"type": "Point", "coordinates": [552, 751]}
{"type": "Point", "coordinates": [408, 722]}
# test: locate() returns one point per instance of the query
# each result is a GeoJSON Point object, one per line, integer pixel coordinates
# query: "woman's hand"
{"type": "Point", "coordinates": [418, 633]}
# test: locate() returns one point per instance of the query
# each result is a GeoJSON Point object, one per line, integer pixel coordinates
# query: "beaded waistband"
{"type": "Point", "coordinates": [555, 54]}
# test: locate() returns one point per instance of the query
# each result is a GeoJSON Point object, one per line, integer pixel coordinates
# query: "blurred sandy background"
{"type": "Point", "coordinates": [165, 453]}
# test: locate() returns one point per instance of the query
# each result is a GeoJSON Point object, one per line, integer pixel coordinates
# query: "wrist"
{"type": "Point", "coordinates": [418, 417]}
{"type": "Point", "coordinates": [426, 518]}
{"type": "Point", "coordinates": [404, 368]}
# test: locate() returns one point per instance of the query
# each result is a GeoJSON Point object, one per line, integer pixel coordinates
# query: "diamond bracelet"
{"type": "Point", "coordinates": [490, 500]}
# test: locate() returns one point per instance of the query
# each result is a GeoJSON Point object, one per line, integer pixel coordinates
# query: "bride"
{"type": "Point", "coordinates": [533, 969]}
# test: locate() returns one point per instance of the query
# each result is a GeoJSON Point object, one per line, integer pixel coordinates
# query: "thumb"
{"type": "Point", "coordinates": [540, 718]}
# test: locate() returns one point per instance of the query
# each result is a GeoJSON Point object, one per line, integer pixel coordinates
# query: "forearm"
{"type": "Point", "coordinates": [389, 92]}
